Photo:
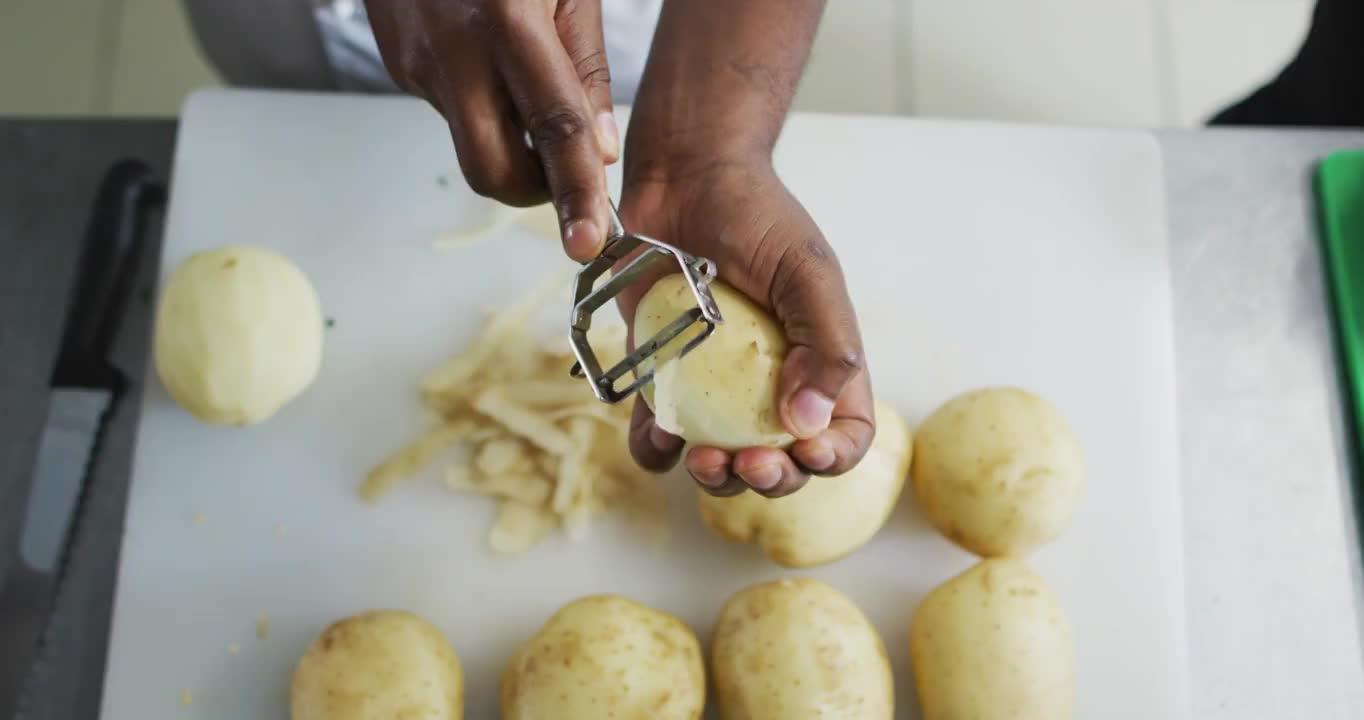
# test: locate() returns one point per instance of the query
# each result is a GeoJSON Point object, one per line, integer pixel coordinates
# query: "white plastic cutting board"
{"type": "Point", "coordinates": [978, 254]}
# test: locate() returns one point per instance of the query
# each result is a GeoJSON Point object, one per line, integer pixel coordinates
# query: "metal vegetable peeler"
{"type": "Point", "coordinates": [587, 298]}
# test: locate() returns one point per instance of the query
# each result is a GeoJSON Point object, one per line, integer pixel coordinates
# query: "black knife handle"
{"type": "Point", "coordinates": [105, 275]}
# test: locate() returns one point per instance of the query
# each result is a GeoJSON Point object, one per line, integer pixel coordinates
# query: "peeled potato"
{"type": "Point", "coordinates": [238, 334]}
{"type": "Point", "coordinates": [723, 394]}
{"type": "Point", "coordinates": [378, 665]}
{"type": "Point", "coordinates": [831, 516]}
{"type": "Point", "coordinates": [796, 649]}
{"type": "Point", "coordinates": [993, 643]}
{"type": "Point", "coordinates": [998, 471]}
{"type": "Point", "coordinates": [605, 656]}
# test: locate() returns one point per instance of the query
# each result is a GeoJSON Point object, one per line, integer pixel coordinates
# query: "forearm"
{"type": "Point", "coordinates": [719, 81]}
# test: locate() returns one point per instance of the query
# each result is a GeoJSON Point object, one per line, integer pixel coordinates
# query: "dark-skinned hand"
{"type": "Point", "coordinates": [526, 91]}
{"type": "Point", "coordinates": [740, 215]}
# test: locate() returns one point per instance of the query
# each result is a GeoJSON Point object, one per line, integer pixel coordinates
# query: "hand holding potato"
{"type": "Point", "coordinates": [767, 248]}
{"type": "Point", "coordinates": [724, 393]}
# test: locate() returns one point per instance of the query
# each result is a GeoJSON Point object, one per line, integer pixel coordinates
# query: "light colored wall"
{"type": "Point", "coordinates": [1106, 62]}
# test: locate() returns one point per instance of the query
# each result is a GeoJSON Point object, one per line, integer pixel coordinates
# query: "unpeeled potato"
{"type": "Point", "coordinates": [378, 665]}
{"type": "Point", "coordinates": [606, 657]}
{"type": "Point", "coordinates": [798, 649]}
{"type": "Point", "coordinates": [831, 516]}
{"type": "Point", "coordinates": [993, 644]}
{"type": "Point", "coordinates": [998, 471]}
{"type": "Point", "coordinates": [724, 393]}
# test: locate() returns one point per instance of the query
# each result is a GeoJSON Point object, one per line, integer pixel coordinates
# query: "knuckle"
{"type": "Point", "coordinates": [650, 460]}
{"type": "Point", "coordinates": [593, 69]}
{"type": "Point", "coordinates": [556, 126]}
{"type": "Point", "coordinates": [646, 456]}
{"type": "Point", "coordinates": [487, 179]}
{"type": "Point", "coordinates": [851, 451]}
{"type": "Point", "coordinates": [848, 358]}
{"type": "Point", "coordinates": [840, 466]}
{"type": "Point", "coordinates": [731, 488]}
{"type": "Point", "coordinates": [482, 185]}
{"type": "Point", "coordinates": [808, 260]}
{"type": "Point", "coordinates": [507, 17]}
{"type": "Point", "coordinates": [802, 266]}
{"type": "Point", "coordinates": [571, 196]}
{"type": "Point", "coordinates": [787, 487]}
{"type": "Point", "coordinates": [413, 70]}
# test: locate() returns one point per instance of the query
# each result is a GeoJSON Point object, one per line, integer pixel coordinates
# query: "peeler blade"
{"type": "Point", "coordinates": [588, 298]}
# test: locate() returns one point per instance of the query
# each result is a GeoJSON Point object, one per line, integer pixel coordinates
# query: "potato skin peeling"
{"type": "Point", "coordinates": [723, 394]}
{"type": "Point", "coordinates": [798, 649]}
{"type": "Point", "coordinates": [605, 656]}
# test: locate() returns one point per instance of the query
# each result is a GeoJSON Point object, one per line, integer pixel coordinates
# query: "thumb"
{"type": "Point", "coordinates": [580, 31]}
{"type": "Point", "coordinates": [825, 356]}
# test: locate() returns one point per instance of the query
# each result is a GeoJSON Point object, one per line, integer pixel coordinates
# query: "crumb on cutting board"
{"type": "Point", "coordinates": [233, 648]}
{"type": "Point", "coordinates": [186, 697]}
{"type": "Point", "coordinates": [263, 626]}
{"type": "Point", "coordinates": [200, 519]}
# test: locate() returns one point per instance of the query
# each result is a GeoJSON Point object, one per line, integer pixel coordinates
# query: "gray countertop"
{"type": "Point", "coordinates": [49, 172]}
{"type": "Point", "coordinates": [1271, 545]}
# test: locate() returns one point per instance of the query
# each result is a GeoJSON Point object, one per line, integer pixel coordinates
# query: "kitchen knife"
{"type": "Point", "coordinates": [84, 387]}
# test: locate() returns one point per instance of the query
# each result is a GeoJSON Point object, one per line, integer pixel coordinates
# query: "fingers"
{"type": "Point", "coordinates": [768, 471]}
{"type": "Point", "coordinates": [710, 468]}
{"type": "Point", "coordinates": [580, 31]}
{"type": "Point", "coordinates": [547, 92]}
{"type": "Point", "coordinates": [824, 392]}
{"type": "Point", "coordinates": [811, 383]}
{"type": "Point", "coordinates": [505, 70]}
{"type": "Point", "coordinates": [845, 442]}
{"type": "Point", "coordinates": [812, 303]}
{"type": "Point", "coordinates": [492, 152]}
{"type": "Point", "coordinates": [654, 449]}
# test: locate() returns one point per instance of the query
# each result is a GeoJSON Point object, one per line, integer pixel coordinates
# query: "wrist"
{"type": "Point", "coordinates": [661, 148]}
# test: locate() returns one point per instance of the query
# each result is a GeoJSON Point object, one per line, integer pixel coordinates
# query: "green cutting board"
{"type": "Point", "coordinates": [1340, 193]}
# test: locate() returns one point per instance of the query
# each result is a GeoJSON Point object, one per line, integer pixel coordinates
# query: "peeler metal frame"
{"type": "Point", "coordinates": [587, 299]}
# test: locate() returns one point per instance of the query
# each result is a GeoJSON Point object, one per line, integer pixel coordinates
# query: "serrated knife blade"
{"type": "Point", "coordinates": [73, 423]}
{"type": "Point", "coordinates": [85, 387]}
{"type": "Point", "coordinates": [65, 453]}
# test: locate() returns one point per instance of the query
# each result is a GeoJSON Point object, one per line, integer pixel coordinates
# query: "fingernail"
{"type": "Point", "coordinates": [711, 477]}
{"type": "Point", "coordinates": [810, 413]}
{"type": "Point", "coordinates": [582, 240]}
{"type": "Point", "coordinates": [762, 477]}
{"type": "Point", "coordinates": [662, 441]}
{"type": "Point", "coordinates": [608, 134]}
{"type": "Point", "coordinates": [820, 456]}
